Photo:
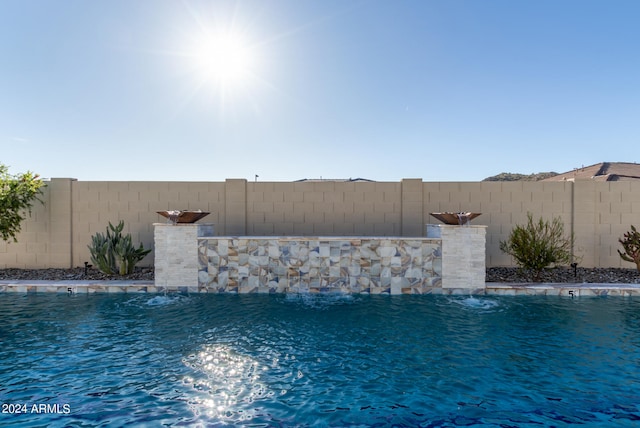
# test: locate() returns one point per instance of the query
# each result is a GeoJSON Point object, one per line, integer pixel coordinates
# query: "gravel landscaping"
{"type": "Point", "coordinates": [562, 274]}
{"type": "Point", "coordinates": [494, 274]}
{"type": "Point", "coordinates": [72, 274]}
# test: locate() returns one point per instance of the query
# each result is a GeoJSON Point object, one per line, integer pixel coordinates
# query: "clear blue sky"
{"type": "Point", "coordinates": [443, 90]}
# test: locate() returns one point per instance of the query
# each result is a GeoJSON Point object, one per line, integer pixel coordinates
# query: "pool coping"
{"type": "Point", "coordinates": [491, 288]}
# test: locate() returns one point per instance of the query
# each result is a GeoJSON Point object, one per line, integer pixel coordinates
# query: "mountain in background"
{"type": "Point", "coordinates": [509, 176]}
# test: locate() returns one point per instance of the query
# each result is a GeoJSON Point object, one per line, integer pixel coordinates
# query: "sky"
{"type": "Point", "coordinates": [282, 90]}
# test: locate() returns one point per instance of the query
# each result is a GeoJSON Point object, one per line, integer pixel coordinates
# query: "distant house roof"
{"type": "Point", "coordinates": [604, 171]}
{"type": "Point", "coordinates": [334, 179]}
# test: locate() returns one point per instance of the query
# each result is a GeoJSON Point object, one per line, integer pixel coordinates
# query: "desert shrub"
{"type": "Point", "coordinates": [631, 245]}
{"type": "Point", "coordinates": [114, 253]}
{"type": "Point", "coordinates": [538, 245]}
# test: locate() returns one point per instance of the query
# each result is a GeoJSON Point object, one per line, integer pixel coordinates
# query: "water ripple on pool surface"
{"type": "Point", "coordinates": [162, 300]}
{"type": "Point", "coordinates": [308, 360]}
{"type": "Point", "coordinates": [320, 301]}
{"type": "Point", "coordinates": [477, 303]}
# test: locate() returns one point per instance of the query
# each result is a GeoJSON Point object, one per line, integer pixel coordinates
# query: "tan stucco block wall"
{"type": "Point", "coordinates": [58, 232]}
{"type": "Point", "coordinates": [323, 208]}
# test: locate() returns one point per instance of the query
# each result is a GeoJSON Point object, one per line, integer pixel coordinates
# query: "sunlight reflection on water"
{"type": "Point", "coordinates": [224, 379]}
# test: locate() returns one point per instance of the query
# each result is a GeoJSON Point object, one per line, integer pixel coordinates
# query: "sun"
{"type": "Point", "coordinates": [225, 59]}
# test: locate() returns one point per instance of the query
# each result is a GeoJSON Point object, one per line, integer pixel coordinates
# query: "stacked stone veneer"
{"type": "Point", "coordinates": [463, 254]}
{"type": "Point", "coordinates": [319, 264]}
{"type": "Point", "coordinates": [176, 254]}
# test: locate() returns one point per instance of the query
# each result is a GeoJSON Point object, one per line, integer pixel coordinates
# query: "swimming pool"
{"type": "Point", "coordinates": [318, 360]}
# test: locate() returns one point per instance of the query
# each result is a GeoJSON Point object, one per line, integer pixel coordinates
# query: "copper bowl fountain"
{"type": "Point", "coordinates": [458, 219]}
{"type": "Point", "coordinates": [183, 216]}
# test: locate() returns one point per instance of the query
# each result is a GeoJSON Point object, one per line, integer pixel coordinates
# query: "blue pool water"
{"type": "Point", "coordinates": [264, 360]}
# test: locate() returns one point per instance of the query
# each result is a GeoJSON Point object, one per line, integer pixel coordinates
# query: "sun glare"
{"type": "Point", "coordinates": [224, 59]}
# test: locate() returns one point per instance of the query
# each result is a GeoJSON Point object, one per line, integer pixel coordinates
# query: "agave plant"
{"type": "Point", "coordinates": [114, 253]}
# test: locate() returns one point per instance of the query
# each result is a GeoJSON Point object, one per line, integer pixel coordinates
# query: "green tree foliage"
{"type": "Point", "coordinates": [114, 253]}
{"type": "Point", "coordinates": [17, 195]}
{"type": "Point", "coordinates": [631, 245]}
{"type": "Point", "coordinates": [538, 245]}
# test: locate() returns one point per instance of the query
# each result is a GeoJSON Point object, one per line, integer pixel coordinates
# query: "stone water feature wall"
{"type": "Point", "coordinates": [322, 264]}
{"type": "Point", "coordinates": [441, 263]}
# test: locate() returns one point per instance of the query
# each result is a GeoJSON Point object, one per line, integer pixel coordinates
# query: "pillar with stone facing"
{"type": "Point", "coordinates": [176, 254]}
{"type": "Point", "coordinates": [463, 255]}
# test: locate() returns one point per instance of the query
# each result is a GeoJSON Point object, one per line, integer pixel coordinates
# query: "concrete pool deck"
{"type": "Point", "coordinates": [491, 288]}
